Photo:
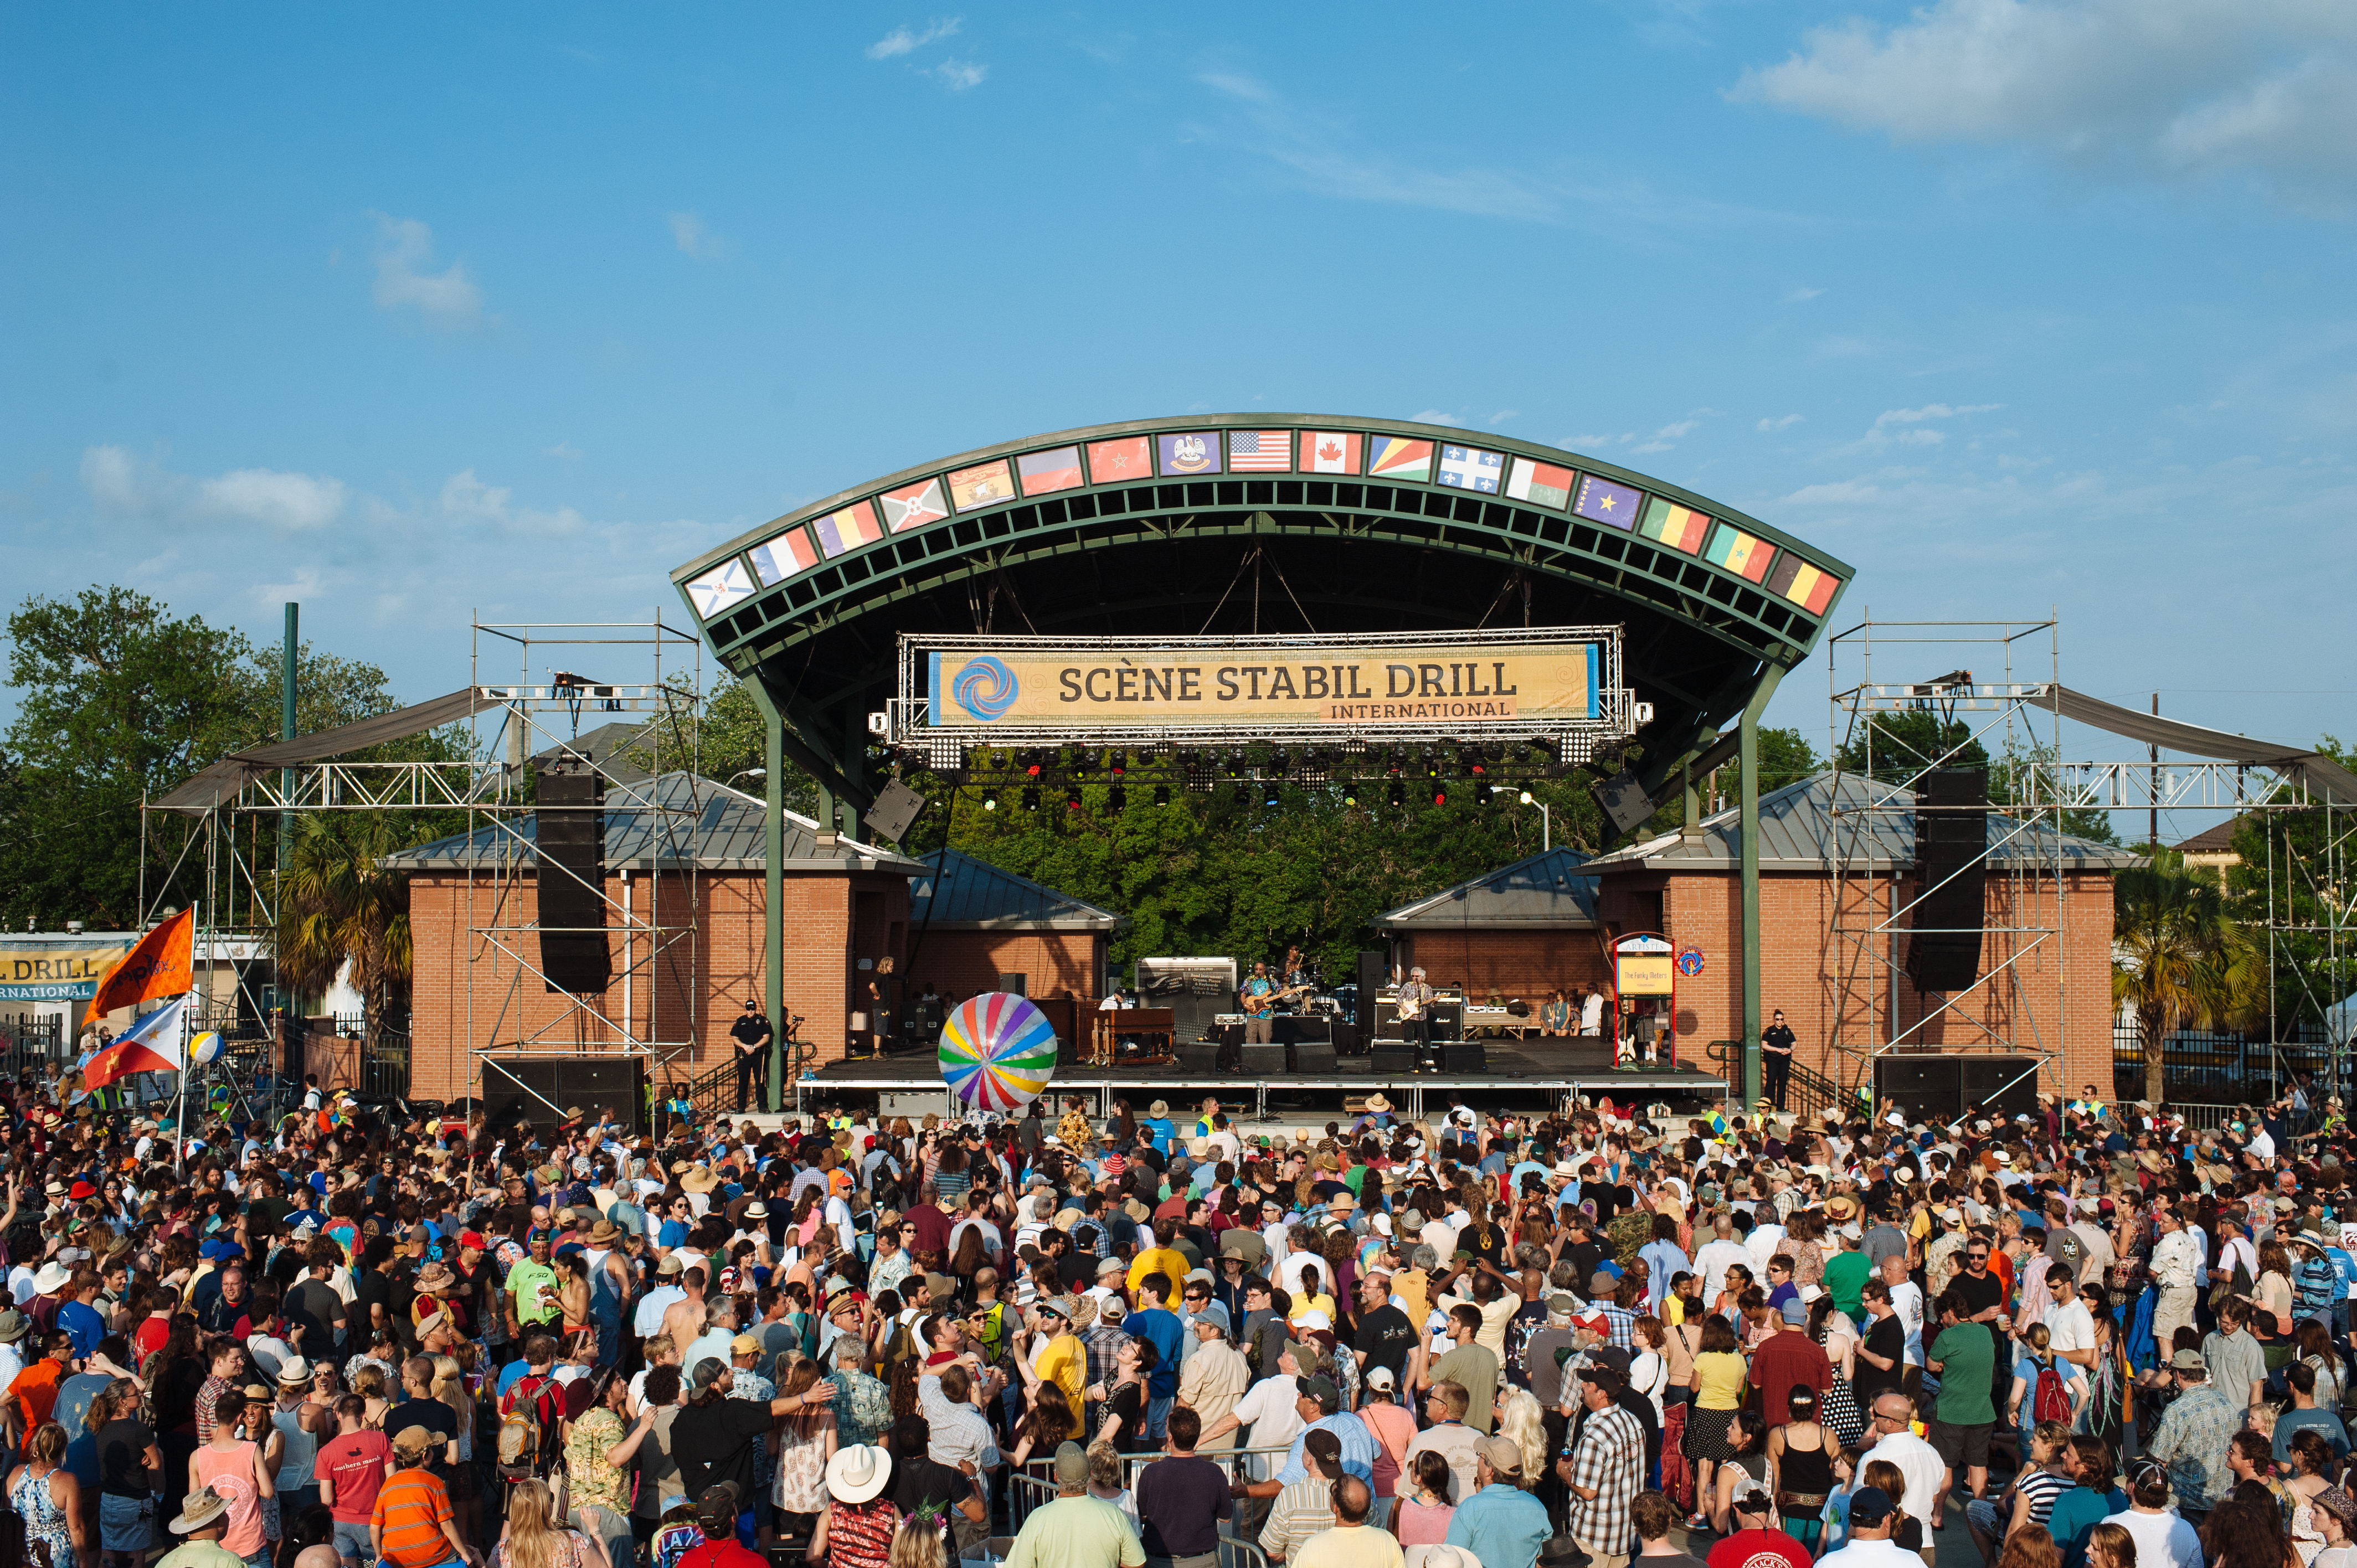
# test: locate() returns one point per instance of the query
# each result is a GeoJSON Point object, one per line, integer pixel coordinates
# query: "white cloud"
{"type": "Point", "coordinates": [905, 39]}
{"type": "Point", "coordinates": [565, 449]}
{"type": "Point", "coordinates": [958, 75]}
{"type": "Point", "coordinates": [687, 231]}
{"type": "Point", "coordinates": [123, 486]}
{"type": "Point", "coordinates": [1434, 416]}
{"type": "Point", "coordinates": [1504, 415]}
{"type": "Point", "coordinates": [1592, 443]}
{"type": "Point", "coordinates": [1800, 295]}
{"type": "Point", "coordinates": [2163, 89]}
{"type": "Point", "coordinates": [1890, 416]}
{"type": "Point", "coordinates": [1684, 427]}
{"type": "Point", "coordinates": [463, 495]}
{"type": "Point", "coordinates": [448, 299]}
{"type": "Point", "coordinates": [1790, 419]}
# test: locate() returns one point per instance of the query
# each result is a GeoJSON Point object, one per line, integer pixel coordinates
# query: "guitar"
{"type": "Point", "coordinates": [1413, 997]}
{"type": "Point", "coordinates": [1259, 1006]}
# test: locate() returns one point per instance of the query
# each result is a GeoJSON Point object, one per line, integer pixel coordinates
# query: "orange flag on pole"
{"type": "Point", "coordinates": [162, 964]}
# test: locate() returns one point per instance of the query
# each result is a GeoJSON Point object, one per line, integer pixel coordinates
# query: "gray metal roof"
{"type": "Point", "coordinates": [1546, 892]}
{"type": "Point", "coordinates": [1799, 830]}
{"type": "Point", "coordinates": [975, 896]}
{"type": "Point", "coordinates": [681, 819]}
{"type": "Point", "coordinates": [607, 747]}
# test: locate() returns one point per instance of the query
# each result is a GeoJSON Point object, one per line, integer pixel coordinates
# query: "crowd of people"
{"type": "Point", "coordinates": [1480, 1339]}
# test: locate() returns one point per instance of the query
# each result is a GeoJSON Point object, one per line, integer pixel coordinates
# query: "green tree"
{"type": "Point", "coordinates": [2182, 961]}
{"type": "Point", "coordinates": [2290, 874]}
{"type": "Point", "coordinates": [339, 904]}
{"type": "Point", "coordinates": [2021, 775]}
{"type": "Point", "coordinates": [722, 739]}
{"type": "Point", "coordinates": [1905, 743]}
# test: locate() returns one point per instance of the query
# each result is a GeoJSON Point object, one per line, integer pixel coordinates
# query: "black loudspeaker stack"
{"type": "Point", "coordinates": [1391, 1061]}
{"type": "Point", "coordinates": [1938, 1086]}
{"type": "Point", "coordinates": [569, 836]}
{"type": "Point", "coordinates": [1951, 859]}
{"type": "Point", "coordinates": [1314, 1056]}
{"type": "Point", "coordinates": [1464, 1056]}
{"type": "Point", "coordinates": [1260, 1061]}
{"type": "Point", "coordinates": [1016, 984]}
{"type": "Point", "coordinates": [539, 1090]}
{"type": "Point", "coordinates": [1200, 1058]}
{"type": "Point", "coordinates": [1373, 973]}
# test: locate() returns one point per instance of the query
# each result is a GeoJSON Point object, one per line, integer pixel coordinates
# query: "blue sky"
{"type": "Point", "coordinates": [410, 313]}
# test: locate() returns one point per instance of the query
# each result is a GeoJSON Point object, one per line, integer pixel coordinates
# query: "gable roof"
{"type": "Point", "coordinates": [1546, 892]}
{"type": "Point", "coordinates": [1799, 829]}
{"type": "Point", "coordinates": [958, 893]}
{"type": "Point", "coordinates": [607, 747]}
{"type": "Point", "coordinates": [2219, 840]}
{"type": "Point", "coordinates": [672, 822]}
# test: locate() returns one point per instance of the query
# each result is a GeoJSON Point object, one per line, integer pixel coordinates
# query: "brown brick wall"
{"type": "Point", "coordinates": [718, 971]}
{"type": "Point", "coordinates": [1528, 965]}
{"type": "Point", "coordinates": [963, 963]}
{"type": "Point", "coordinates": [2056, 992]}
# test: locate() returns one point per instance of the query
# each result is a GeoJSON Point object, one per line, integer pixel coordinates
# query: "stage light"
{"type": "Point", "coordinates": [1243, 796]}
{"type": "Point", "coordinates": [1032, 764]}
{"type": "Point", "coordinates": [1399, 793]}
{"type": "Point", "coordinates": [1031, 797]}
{"type": "Point", "coordinates": [1120, 764]}
{"type": "Point", "coordinates": [1350, 796]}
{"type": "Point", "coordinates": [1441, 794]}
{"type": "Point", "coordinates": [1268, 794]}
{"type": "Point", "coordinates": [1116, 798]}
{"type": "Point", "coordinates": [990, 801]}
{"type": "Point", "coordinates": [1236, 765]}
{"type": "Point", "coordinates": [1162, 794]}
{"type": "Point", "coordinates": [1278, 762]}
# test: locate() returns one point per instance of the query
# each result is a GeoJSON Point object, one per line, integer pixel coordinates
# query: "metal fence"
{"type": "Point", "coordinates": [2210, 1067]}
{"type": "Point", "coordinates": [1026, 1492]}
{"type": "Point", "coordinates": [31, 1040]}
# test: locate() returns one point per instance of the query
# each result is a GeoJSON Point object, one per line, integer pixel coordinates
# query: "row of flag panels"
{"type": "Point", "coordinates": [1192, 453]}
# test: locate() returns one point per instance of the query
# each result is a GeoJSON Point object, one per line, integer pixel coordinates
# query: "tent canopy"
{"type": "Point", "coordinates": [222, 781]}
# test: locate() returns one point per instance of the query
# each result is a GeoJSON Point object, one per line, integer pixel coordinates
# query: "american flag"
{"type": "Point", "coordinates": [1260, 451]}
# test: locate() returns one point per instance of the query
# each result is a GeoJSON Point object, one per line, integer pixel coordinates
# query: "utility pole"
{"type": "Point", "coordinates": [287, 655]}
{"type": "Point", "coordinates": [2152, 827]}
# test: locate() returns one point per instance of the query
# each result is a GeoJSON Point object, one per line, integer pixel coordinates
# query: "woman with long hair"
{"type": "Point", "coordinates": [2315, 1343]}
{"type": "Point", "coordinates": [2246, 1531]}
{"type": "Point", "coordinates": [806, 1441]}
{"type": "Point", "coordinates": [450, 1387]}
{"type": "Point", "coordinates": [1837, 1338]}
{"type": "Point", "coordinates": [951, 1179]}
{"type": "Point", "coordinates": [2271, 1303]}
{"type": "Point", "coordinates": [2313, 1469]}
{"type": "Point", "coordinates": [1044, 1427]}
{"type": "Point", "coordinates": [917, 1544]}
{"type": "Point", "coordinates": [1717, 1387]}
{"type": "Point", "coordinates": [1907, 1534]}
{"type": "Point", "coordinates": [1124, 1397]}
{"type": "Point", "coordinates": [45, 1493]}
{"type": "Point", "coordinates": [2110, 1546]}
{"type": "Point", "coordinates": [1801, 1456]}
{"type": "Point", "coordinates": [1744, 1466]}
{"type": "Point", "coordinates": [973, 1254]}
{"type": "Point", "coordinates": [1519, 1415]}
{"type": "Point", "coordinates": [1423, 1511]}
{"type": "Point", "coordinates": [534, 1540]}
{"type": "Point", "coordinates": [2027, 1549]}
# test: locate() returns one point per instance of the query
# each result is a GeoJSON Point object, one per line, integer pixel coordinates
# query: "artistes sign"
{"type": "Point", "coordinates": [36, 969]}
{"type": "Point", "coordinates": [1129, 684]}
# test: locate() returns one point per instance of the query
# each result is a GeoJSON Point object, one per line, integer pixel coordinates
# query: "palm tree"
{"type": "Point", "coordinates": [2178, 958]}
{"type": "Point", "coordinates": [338, 903]}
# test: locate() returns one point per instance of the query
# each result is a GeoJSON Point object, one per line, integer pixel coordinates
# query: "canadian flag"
{"type": "Point", "coordinates": [1328, 452]}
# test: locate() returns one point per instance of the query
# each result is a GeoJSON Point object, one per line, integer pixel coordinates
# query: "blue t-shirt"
{"type": "Point", "coordinates": [1160, 1329]}
{"type": "Point", "coordinates": [85, 1324]}
{"type": "Point", "coordinates": [1159, 1128]}
{"type": "Point", "coordinates": [674, 1233]}
{"type": "Point", "coordinates": [2076, 1514]}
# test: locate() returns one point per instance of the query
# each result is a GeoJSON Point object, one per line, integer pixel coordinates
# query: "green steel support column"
{"type": "Point", "coordinates": [774, 913]}
{"type": "Point", "coordinates": [854, 764]}
{"type": "Point", "coordinates": [1753, 1021]}
{"type": "Point", "coordinates": [1693, 801]}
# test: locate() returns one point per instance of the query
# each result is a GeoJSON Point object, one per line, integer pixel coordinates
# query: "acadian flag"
{"type": "Point", "coordinates": [1542, 484]}
{"type": "Point", "coordinates": [1803, 584]}
{"type": "Point", "coordinates": [1329, 451]}
{"type": "Point", "coordinates": [1602, 500]}
{"type": "Point", "coordinates": [152, 1045]}
{"type": "Point", "coordinates": [789, 554]}
{"type": "Point", "coordinates": [1680, 528]}
{"type": "Point", "coordinates": [162, 963]}
{"type": "Point", "coordinates": [847, 529]}
{"type": "Point", "coordinates": [913, 506]}
{"type": "Point", "coordinates": [1740, 553]}
{"type": "Point", "coordinates": [1397, 457]}
{"type": "Point", "coordinates": [985, 484]}
{"type": "Point", "coordinates": [1043, 473]}
{"type": "Point", "coordinates": [1120, 461]}
{"type": "Point", "coordinates": [1469, 468]}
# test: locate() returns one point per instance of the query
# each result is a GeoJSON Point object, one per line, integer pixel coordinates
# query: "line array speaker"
{"type": "Point", "coordinates": [569, 837]}
{"type": "Point", "coordinates": [1950, 862]}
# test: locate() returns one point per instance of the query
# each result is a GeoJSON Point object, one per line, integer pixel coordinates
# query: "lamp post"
{"type": "Point", "coordinates": [1546, 822]}
{"type": "Point", "coordinates": [747, 773]}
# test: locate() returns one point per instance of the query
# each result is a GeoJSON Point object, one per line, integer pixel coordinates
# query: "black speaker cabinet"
{"type": "Point", "coordinates": [1201, 1061]}
{"type": "Point", "coordinates": [1447, 1020]}
{"type": "Point", "coordinates": [1928, 1086]}
{"type": "Point", "coordinates": [1464, 1056]}
{"type": "Point", "coordinates": [569, 839]}
{"type": "Point", "coordinates": [1391, 1061]}
{"type": "Point", "coordinates": [539, 1090]}
{"type": "Point", "coordinates": [1261, 1061]}
{"type": "Point", "coordinates": [1951, 864]}
{"type": "Point", "coordinates": [1348, 1040]}
{"type": "Point", "coordinates": [2005, 1085]}
{"type": "Point", "coordinates": [1016, 983]}
{"type": "Point", "coordinates": [1314, 1056]}
{"type": "Point", "coordinates": [1373, 971]}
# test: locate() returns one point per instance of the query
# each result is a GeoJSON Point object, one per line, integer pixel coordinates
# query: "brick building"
{"type": "Point", "coordinates": [972, 922]}
{"type": "Point", "coordinates": [2052, 967]}
{"type": "Point", "coordinates": [694, 861]}
{"type": "Point", "coordinates": [1524, 930]}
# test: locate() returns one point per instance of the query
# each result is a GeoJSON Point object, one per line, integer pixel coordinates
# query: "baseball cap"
{"type": "Point", "coordinates": [1322, 1390]}
{"type": "Point", "coordinates": [1869, 1505]}
{"type": "Point", "coordinates": [1072, 1464]}
{"type": "Point", "coordinates": [1505, 1455]}
{"type": "Point", "coordinates": [1324, 1450]}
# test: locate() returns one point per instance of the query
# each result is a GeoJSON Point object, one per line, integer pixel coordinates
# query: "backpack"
{"type": "Point", "coordinates": [524, 1439]}
{"type": "Point", "coordinates": [2052, 1400]}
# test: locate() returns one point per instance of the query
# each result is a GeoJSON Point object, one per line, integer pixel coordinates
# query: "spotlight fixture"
{"type": "Point", "coordinates": [1032, 764]}
{"type": "Point", "coordinates": [1071, 796]}
{"type": "Point", "coordinates": [1441, 794]}
{"type": "Point", "coordinates": [1031, 796]}
{"type": "Point", "coordinates": [1268, 792]}
{"type": "Point", "coordinates": [1162, 794]}
{"type": "Point", "coordinates": [1278, 762]}
{"type": "Point", "coordinates": [1399, 793]}
{"type": "Point", "coordinates": [1118, 765]}
{"type": "Point", "coordinates": [1116, 798]}
{"type": "Point", "coordinates": [990, 801]}
{"type": "Point", "coordinates": [1243, 796]}
{"type": "Point", "coordinates": [1349, 795]}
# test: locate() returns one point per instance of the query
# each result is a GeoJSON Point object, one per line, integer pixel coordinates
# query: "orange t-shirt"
{"type": "Point", "coordinates": [35, 1389]}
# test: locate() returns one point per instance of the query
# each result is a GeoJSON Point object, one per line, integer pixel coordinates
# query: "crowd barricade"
{"type": "Point", "coordinates": [1034, 1483]}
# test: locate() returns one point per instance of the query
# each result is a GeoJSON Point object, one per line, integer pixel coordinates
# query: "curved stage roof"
{"type": "Point", "coordinates": [1264, 521]}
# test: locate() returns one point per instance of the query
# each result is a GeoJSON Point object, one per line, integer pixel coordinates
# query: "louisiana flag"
{"type": "Point", "coordinates": [1803, 583]}
{"type": "Point", "coordinates": [1739, 553]}
{"type": "Point", "coordinates": [1680, 528]}
{"type": "Point", "coordinates": [161, 965]}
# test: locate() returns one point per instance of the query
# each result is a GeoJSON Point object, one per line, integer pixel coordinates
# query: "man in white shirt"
{"type": "Point", "coordinates": [1870, 1526]}
{"type": "Point", "coordinates": [1907, 1301]}
{"type": "Point", "coordinates": [2176, 1263]}
{"type": "Point", "coordinates": [1271, 1406]}
{"type": "Point", "coordinates": [1717, 1253]}
{"type": "Point", "coordinates": [2071, 1327]}
{"type": "Point", "coordinates": [1919, 1463]}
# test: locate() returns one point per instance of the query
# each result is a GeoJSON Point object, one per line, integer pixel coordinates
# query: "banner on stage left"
{"type": "Point", "coordinates": [162, 964]}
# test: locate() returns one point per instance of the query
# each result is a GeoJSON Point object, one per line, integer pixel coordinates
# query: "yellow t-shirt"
{"type": "Point", "coordinates": [1674, 1310]}
{"type": "Point", "coordinates": [1303, 1304]}
{"type": "Point", "coordinates": [1167, 1262]}
{"type": "Point", "coordinates": [1065, 1364]}
{"type": "Point", "coordinates": [1722, 1374]}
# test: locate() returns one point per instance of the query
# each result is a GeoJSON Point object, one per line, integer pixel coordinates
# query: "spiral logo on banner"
{"type": "Point", "coordinates": [985, 688]}
{"type": "Point", "coordinates": [998, 1052]}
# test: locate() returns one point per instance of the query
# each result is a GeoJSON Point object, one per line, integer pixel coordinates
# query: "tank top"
{"type": "Point", "coordinates": [302, 1449]}
{"type": "Point", "coordinates": [604, 1301]}
{"type": "Point", "coordinates": [230, 1472]}
{"type": "Point", "coordinates": [1806, 1471]}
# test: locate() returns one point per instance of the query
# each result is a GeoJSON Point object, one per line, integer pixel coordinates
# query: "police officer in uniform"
{"type": "Point", "coordinates": [751, 1033]}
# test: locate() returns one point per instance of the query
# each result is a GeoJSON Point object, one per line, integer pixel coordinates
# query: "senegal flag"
{"type": "Point", "coordinates": [1740, 553]}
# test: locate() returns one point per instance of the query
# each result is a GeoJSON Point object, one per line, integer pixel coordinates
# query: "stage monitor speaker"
{"type": "Point", "coordinates": [1391, 1062]}
{"type": "Point", "coordinates": [1924, 1087]}
{"type": "Point", "coordinates": [1017, 984]}
{"type": "Point", "coordinates": [1202, 1060]}
{"type": "Point", "coordinates": [2005, 1085]}
{"type": "Point", "coordinates": [1261, 1061]}
{"type": "Point", "coordinates": [1314, 1056]}
{"type": "Point", "coordinates": [539, 1090]}
{"type": "Point", "coordinates": [1950, 862]}
{"type": "Point", "coordinates": [1373, 973]}
{"type": "Point", "coordinates": [569, 837]}
{"type": "Point", "coordinates": [1465, 1057]}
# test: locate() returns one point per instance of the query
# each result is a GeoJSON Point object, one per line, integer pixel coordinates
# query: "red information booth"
{"type": "Point", "coordinates": [1645, 999]}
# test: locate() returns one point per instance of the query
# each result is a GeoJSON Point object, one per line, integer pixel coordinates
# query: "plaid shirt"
{"type": "Point", "coordinates": [1610, 1458]}
{"type": "Point", "coordinates": [1105, 1341]}
{"type": "Point", "coordinates": [1619, 1325]}
{"type": "Point", "coordinates": [214, 1387]}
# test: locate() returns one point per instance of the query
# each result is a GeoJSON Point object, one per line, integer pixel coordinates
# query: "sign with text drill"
{"type": "Point", "coordinates": [1377, 684]}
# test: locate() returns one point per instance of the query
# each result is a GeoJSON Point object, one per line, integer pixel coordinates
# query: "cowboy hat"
{"type": "Point", "coordinates": [605, 1233]}
{"type": "Point", "coordinates": [1377, 1106]}
{"type": "Point", "coordinates": [199, 1509]}
{"type": "Point", "coordinates": [1159, 1108]}
{"type": "Point", "coordinates": [858, 1473]}
{"type": "Point", "coordinates": [700, 1179]}
{"type": "Point", "coordinates": [435, 1279]}
{"type": "Point", "coordinates": [52, 1279]}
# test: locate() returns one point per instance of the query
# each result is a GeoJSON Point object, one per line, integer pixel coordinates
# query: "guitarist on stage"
{"type": "Point", "coordinates": [1256, 997]}
{"type": "Point", "coordinates": [1415, 1015]}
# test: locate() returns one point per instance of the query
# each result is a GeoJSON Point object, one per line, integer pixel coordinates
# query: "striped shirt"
{"type": "Point", "coordinates": [2041, 1486]}
{"type": "Point", "coordinates": [412, 1507]}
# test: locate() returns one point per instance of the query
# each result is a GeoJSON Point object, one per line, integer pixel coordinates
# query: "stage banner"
{"type": "Point", "coordinates": [1303, 682]}
{"type": "Point", "coordinates": [46, 969]}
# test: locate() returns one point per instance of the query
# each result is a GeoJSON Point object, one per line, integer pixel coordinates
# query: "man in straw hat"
{"type": "Point", "coordinates": [204, 1519]}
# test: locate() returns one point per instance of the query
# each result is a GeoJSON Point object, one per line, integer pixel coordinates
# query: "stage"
{"type": "Point", "coordinates": [1522, 1073]}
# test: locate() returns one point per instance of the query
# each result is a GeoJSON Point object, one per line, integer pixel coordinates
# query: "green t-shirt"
{"type": "Point", "coordinates": [1967, 1358]}
{"type": "Point", "coordinates": [1845, 1276]}
{"type": "Point", "coordinates": [523, 1283]}
{"type": "Point", "coordinates": [1076, 1533]}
